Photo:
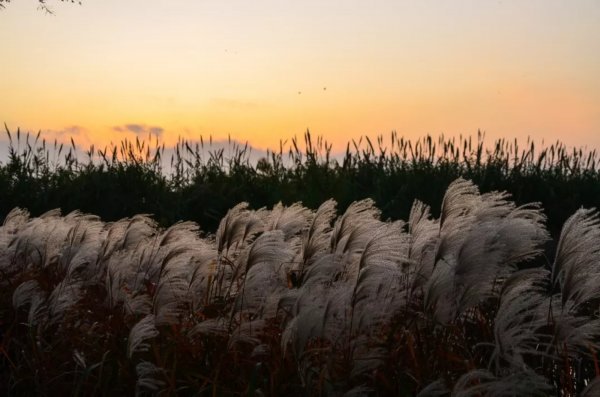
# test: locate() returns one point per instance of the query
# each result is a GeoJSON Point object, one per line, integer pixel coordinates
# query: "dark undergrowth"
{"type": "Point", "coordinates": [135, 177]}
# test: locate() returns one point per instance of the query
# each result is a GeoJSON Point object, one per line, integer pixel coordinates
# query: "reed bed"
{"type": "Point", "coordinates": [197, 182]}
{"type": "Point", "coordinates": [295, 301]}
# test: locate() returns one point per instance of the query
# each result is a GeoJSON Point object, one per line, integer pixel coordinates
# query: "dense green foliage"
{"type": "Point", "coordinates": [131, 179]}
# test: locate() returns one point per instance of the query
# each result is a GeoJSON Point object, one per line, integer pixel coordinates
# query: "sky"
{"type": "Point", "coordinates": [264, 71]}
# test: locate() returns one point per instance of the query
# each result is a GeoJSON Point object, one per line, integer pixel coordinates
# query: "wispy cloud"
{"type": "Point", "coordinates": [73, 130]}
{"type": "Point", "coordinates": [140, 129]}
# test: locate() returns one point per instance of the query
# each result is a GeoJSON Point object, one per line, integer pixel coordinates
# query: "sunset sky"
{"type": "Point", "coordinates": [261, 71]}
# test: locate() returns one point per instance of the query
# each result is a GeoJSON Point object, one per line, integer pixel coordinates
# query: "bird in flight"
{"type": "Point", "coordinates": [299, 92]}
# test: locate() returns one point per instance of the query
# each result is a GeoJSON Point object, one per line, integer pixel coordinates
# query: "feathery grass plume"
{"type": "Point", "coordinates": [524, 383]}
{"type": "Point", "coordinates": [519, 316]}
{"type": "Point", "coordinates": [434, 389]}
{"type": "Point", "coordinates": [366, 356]}
{"type": "Point", "coordinates": [270, 247]}
{"type": "Point", "coordinates": [438, 294]}
{"type": "Point", "coordinates": [79, 358]}
{"type": "Point", "coordinates": [266, 263]}
{"type": "Point", "coordinates": [247, 332]}
{"type": "Point", "coordinates": [353, 229]}
{"type": "Point", "coordinates": [212, 327]}
{"type": "Point", "coordinates": [261, 294]}
{"type": "Point", "coordinates": [572, 331]}
{"type": "Point", "coordinates": [143, 330]}
{"type": "Point", "coordinates": [461, 196]}
{"type": "Point", "coordinates": [202, 280]}
{"type": "Point", "coordinates": [40, 240]}
{"type": "Point", "coordinates": [423, 232]}
{"type": "Point", "coordinates": [335, 322]}
{"type": "Point", "coordinates": [138, 305]}
{"type": "Point", "coordinates": [315, 239]}
{"type": "Point", "coordinates": [171, 294]}
{"type": "Point", "coordinates": [290, 220]}
{"type": "Point", "coordinates": [377, 291]}
{"type": "Point", "coordinates": [523, 234]}
{"type": "Point", "coordinates": [491, 253]}
{"type": "Point", "coordinates": [139, 229]}
{"type": "Point", "coordinates": [173, 251]}
{"type": "Point", "coordinates": [261, 350]}
{"type": "Point", "coordinates": [59, 233]}
{"type": "Point", "coordinates": [592, 389]}
{"type": "Point", "coordinates": [481, 252]}
{"type": "Point", "coordinates": [576, 267]}
{"type": "Point", "coordinates": [148, 374]}
{"type": "Point", "coordinates": [237, 227]}
{"type": "Point", "coordinates": [64, 297]}
{"type": "Point", "coordinates": [456, 218]}
{"type": "Point", "coordinates": [14, 220]}
{"type": "Point", "coordinates": [24, 293]}
{"type": "Point", "coordinates": [120, 275]}
{"type": "Point", "coordinates": [308, 318]}
{"type": "Point", "coordinates": [115, 231]}
{"type": "Point", "coordinates": [369, 310]}
{"type": "Point", "coordinates": [326, 269]}
{"type": "Point", "coordinates": [81, 248]}
{"type": "Point", "coordinates": [179, 231]}
{"type": "Point", "coordinates": [38, 311]}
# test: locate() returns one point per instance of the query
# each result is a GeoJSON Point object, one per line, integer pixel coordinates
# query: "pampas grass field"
{"type": "Point", "coordinates": [473, 296]}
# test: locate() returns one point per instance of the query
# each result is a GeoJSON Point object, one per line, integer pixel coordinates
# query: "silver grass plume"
{"type": "Point", "coordinates": [137, 305]}
{"type": "Point", "coordinates": [15, 220]}
{"type": "Point", "coordinates": [171, 293]}
{"type": "Point", "coordinates": [64, 297]}
{"type": "Point", "coordinates": [325, 269]}
{"type": "Point", "coordinates": [24, 293]}
{"type": "Point", "coordinates": [525, 383]}
{"type": "Point", "coordinates": [382, 271]}
{"type": "Point", "coordinates": [139, 229]}
{"type": "Point", "coordinates": [114, 233]}
{"type": "Point", "coordinates": [269, 247]}
{"type": "Point", "coordinates": [491, 237]}
{"type": "Point", "coordinates": [265, 265]}
{"type": "Point", "coordinates": [314, 240]}
{"type": "Point", "coordinates": [178, 232]}
{"type": "Point", "coordinates": [202, 280]}
{"type": "Point", "coordinates": [145, 329]}
{"type": "Point", "coordinates": [79, 358]}
{"type": "Point", "coordinates": [576, 267]}
{"type": "Point", "coordinates": [78, 256]}
{"type": "Point", "coordinates": [460, 199]}
{"type": "Point", "coordinates": [290, 220]}
{"type": "Point", "coordinates": [237, 227]}
{"type": "Point", "coordinates": [423, 232]}
{"type": "Point", "coordinates": [519, 316]}
{"type": "Point", "coordinates": [434, 389]}
{"type": "Point", "coordinates": [592, 389]}
{"type": "Point", "coordinates": [212, 327]}
{"type": "Point", "coordinates": [353, 229]}
{"type": "Point", "coordinates": [148, 374]}
{"type": "Point", "coordinates": [571, 329]}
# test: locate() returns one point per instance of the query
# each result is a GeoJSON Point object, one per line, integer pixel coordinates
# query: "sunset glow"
{"type": "Point", "coordinates": [264, 71]}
